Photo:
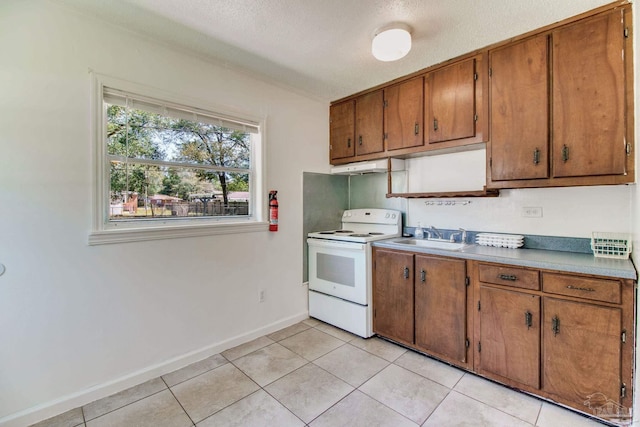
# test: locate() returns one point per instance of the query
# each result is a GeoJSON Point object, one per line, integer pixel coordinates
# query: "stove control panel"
{"type": "Point", "coordinates": [371, 216]}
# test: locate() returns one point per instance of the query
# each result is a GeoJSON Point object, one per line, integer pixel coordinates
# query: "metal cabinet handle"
{"type": "Point", "coordinates": [348, 142]}
{"type": "Point", "coordinates": [555, 325]}
{"type": "Point", "coordinates": [509, 277]}
{"type": "Point", "coordinates": [416, 129]}
{"type": "Point", "coordinates": [423, 276]}
{"type": "Point", "coordinates": [536, 156]}
{"type": "Point", "coordinates": [580, 289]}
{"type": "Point", "coordinates": [565, 153]}
{"type": "Point", "coordinates": [435, 124]}
{"type": "Point", "coordinates": [360, 140]}
{"type": "Point", "coordinates": [406, 272]}
{"type": "Point", "coordinates": [528, 319]}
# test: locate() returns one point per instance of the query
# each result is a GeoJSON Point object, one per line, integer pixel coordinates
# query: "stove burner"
{"type": "Point", "coordinates": [344, 231]}
{"type": "Point", "coordinates": [376, 234]}
{"type": "Point", "coordinates": [327, 232]}
{"type": "Point", "coordinates": [358, 235]}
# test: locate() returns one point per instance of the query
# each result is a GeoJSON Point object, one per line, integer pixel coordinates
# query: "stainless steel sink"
{"type": "Point", "coordinates": [433, 244]}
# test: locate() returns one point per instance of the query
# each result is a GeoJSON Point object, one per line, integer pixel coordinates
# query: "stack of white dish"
{"type": "Point", "coordinates": [500, 240]}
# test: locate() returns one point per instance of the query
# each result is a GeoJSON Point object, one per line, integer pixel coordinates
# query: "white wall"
{"type": "Point", "coordinates": [79, 322]}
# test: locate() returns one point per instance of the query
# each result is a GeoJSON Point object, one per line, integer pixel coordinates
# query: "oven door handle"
{"type": "Point", "coordinates": [335, 244]}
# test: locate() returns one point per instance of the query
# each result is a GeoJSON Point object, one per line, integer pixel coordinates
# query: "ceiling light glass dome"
{"type": "Point", "coordinates": [391, 42]}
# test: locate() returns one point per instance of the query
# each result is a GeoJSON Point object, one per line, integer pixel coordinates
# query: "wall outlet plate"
{"type": "Point", "coordinates": [532, 212]}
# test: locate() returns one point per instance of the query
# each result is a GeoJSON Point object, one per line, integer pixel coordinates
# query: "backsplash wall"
{"type": "Point", "coordinates": [362, 196]}
{"type": "Point", "coordinates": [568, 211]}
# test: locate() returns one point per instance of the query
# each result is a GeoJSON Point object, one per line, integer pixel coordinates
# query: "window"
{"type": "Point", "coordinates": [171, 169]}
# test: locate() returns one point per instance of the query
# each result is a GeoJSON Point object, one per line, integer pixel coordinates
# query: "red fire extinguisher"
{"type": "Point", "coordinates": [273, 211]}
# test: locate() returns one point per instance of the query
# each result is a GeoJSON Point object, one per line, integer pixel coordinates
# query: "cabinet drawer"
{"type": "Point", "coordinates": [509, 276]}
{"type": "Point", "coordinates": [583, 287]}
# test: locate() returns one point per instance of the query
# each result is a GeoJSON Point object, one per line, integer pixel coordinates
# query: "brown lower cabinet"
{"type": "Point", "coordinates": [562, 336]}
{"type": "Point", "coordinates": [582, 351]}
{"type": "Point", "coordinates": [393, 295]}
{"type": "Point", "coordinates": [565, 337]}
{"type": "Point", "coordinates": [440, 298]}
{"type": "Point", "coordinates": [510, 335]}
{"type": "Point", "coordinates": [421, 301]}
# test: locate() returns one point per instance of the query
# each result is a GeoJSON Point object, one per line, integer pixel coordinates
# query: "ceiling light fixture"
{"type": "Point", "coordinates": [391, 42]}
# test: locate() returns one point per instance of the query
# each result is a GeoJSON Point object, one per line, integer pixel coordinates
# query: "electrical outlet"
{"type": "Point", "coordinates": [261, 296]}
{"type": "Point", "coordinates": [532, 212]}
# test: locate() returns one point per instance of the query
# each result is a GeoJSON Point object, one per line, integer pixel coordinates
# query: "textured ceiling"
{"type": "Point", "coordinates": [322, 47]}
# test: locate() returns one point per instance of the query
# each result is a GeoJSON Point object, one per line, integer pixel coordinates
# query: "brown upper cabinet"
{"type": "Point", "coordinates": [443, 108]}
{"type": "Point", "coordinates": [355, 128]}
{"type": "Point", "coordinates": [519, 110]}
{"type": "Point", "coordinates": [589, 98]}
{"type": "Point", "coordinates": [439, 109]}
{"type": "Point", "coordinates": [369, 135]}
{"type": "Point", "coordinates": [450, 102]}
{"type": "Point", "coordinates": [342, 119]}
{"type": "Point", "coordinates": [403, 115]}
{"type": "Point", "coordinates": [559, 107]}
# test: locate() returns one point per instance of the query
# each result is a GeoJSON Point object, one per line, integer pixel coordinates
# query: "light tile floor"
{"type": "Point", "coordinates": [312, 374]}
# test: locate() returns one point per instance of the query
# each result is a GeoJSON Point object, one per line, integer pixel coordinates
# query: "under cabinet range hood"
{"type": "Point", "coordinates": [371, 166]}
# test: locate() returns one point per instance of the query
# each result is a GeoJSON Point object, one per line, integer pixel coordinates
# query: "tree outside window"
{"type": "Point", "coordinates": [167, 166]}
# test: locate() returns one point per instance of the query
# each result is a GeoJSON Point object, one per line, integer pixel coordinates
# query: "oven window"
{"type": "Point", "coordinates": [336, 269]}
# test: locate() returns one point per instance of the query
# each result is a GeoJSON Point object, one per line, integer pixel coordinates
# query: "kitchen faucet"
{"type": "Point", "coordinates": [435, 231]}
{"type": "Point", "coordinates": [432, 231]}
{"type": "Point", "coordinates": [461, 232]}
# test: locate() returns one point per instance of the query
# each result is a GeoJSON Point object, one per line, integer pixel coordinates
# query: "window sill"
{"type": "Point", "coordinates": [103, 237]}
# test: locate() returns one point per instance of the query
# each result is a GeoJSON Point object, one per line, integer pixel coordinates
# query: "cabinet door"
{"type": "Point", "coordinates": [581, 351]}
{"type": "Point", "coordinates": [403, 115]}
{"type": "Point", "coordinates": [510, 335]}
{"type": "Point", "coordinates": [450, 107]}
{"type": "Point", "coordinates": [519, 108]}
{"type": "Point", "coordinates": [440, 307]}
{"type": "Point", "coordinates": [342, 130]}
{"type": "Point", "coordinates": [589, 98]}
{"type": "Point", "coordinates": [369, 122]}
{"type": "Point", "coordinates": [393, 295]}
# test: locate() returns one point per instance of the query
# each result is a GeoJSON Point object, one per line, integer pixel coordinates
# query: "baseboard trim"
{"type": "Point", "coordinates": [74, 400]}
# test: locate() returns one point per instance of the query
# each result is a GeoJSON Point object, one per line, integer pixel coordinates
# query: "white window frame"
{"type": "Point", "coordinates": [105, 231]}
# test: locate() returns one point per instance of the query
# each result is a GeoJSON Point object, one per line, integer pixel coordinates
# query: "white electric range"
{"type": "Point", "coordinates": [340, 275]}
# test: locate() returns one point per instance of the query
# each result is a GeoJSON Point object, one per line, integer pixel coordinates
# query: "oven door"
{"type": "Point", "coordinates": [339, 269]}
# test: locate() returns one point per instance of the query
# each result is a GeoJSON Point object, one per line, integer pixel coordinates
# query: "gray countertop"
{"type": "Point", "coordinates": [537, 258]}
